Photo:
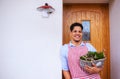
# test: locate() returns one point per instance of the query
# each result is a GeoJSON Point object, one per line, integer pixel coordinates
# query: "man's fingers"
{"type": "Point", "coordinates": [94, 65]}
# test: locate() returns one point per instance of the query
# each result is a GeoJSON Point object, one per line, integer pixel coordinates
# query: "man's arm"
{"type": "Point", "coordinates": [66, 74]}
{"type": "Point", "coordinates": [93, 70]}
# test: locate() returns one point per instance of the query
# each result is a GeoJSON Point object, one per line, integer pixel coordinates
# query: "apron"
{"type": "Point", "coordinates": [74, 54]}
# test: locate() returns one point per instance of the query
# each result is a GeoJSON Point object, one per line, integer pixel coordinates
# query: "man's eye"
{"type": "Point", "coordinates": [80, 31]}
{"type": "Point", "coordinates": [75, 31]}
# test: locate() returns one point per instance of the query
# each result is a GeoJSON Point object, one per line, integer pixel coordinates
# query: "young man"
{"type": "Point", "coordinates": [70, 54]}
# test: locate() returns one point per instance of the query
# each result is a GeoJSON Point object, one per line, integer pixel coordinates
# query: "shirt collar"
{"type": "Point", "coordinates": [81, 44]}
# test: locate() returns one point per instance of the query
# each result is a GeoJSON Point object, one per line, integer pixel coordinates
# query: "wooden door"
{"type": "Point", "coordinates": [98, 15]}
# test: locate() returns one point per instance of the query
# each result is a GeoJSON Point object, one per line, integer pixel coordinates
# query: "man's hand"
{"type": "Point", "coordinates": [92, 70]}
{"type": "Point", "coordinates": [66, 74]}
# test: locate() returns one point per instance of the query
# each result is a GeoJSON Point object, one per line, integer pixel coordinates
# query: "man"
{"type": "Point", "coordinates": [70, 54]}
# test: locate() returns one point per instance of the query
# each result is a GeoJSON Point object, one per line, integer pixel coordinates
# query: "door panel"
{"type": "Point", "coordinates": [98, 15]}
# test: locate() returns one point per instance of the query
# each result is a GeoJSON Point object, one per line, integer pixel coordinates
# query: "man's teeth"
{"type": "Point", "coordinates": [77, 36]}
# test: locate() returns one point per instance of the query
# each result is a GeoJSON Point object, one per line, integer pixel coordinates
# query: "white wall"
{"type": "Point", "coordinates": [115, 38]}
{"type": "Point", "coordinates": [29, 44]}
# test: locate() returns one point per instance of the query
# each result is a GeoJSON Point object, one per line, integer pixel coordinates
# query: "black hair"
{"type": "Point", "coordinates": [74, 25]}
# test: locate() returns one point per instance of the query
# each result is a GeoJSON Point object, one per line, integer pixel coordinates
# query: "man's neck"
{"type": "Point", "coordinates": [76, 43]}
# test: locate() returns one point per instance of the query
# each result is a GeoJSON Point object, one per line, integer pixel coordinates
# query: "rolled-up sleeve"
{"type": "Point", "coordinates": [63, 56]}
{"type": "Point", "coordinates": [90, 47]}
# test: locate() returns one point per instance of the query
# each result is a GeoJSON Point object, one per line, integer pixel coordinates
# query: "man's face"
{"type": "Point", "coordinates": [76, 34]}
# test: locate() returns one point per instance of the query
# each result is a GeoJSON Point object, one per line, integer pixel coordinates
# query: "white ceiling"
{"type": "Point", "coordinates": [85, 1]}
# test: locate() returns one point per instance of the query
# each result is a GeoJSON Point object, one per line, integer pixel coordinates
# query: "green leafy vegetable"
{"type": "Point", "coordinates": [90, 56]}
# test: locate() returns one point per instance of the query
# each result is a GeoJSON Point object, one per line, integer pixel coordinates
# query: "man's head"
{"type": "Point", "coordinates": [76, 32]}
